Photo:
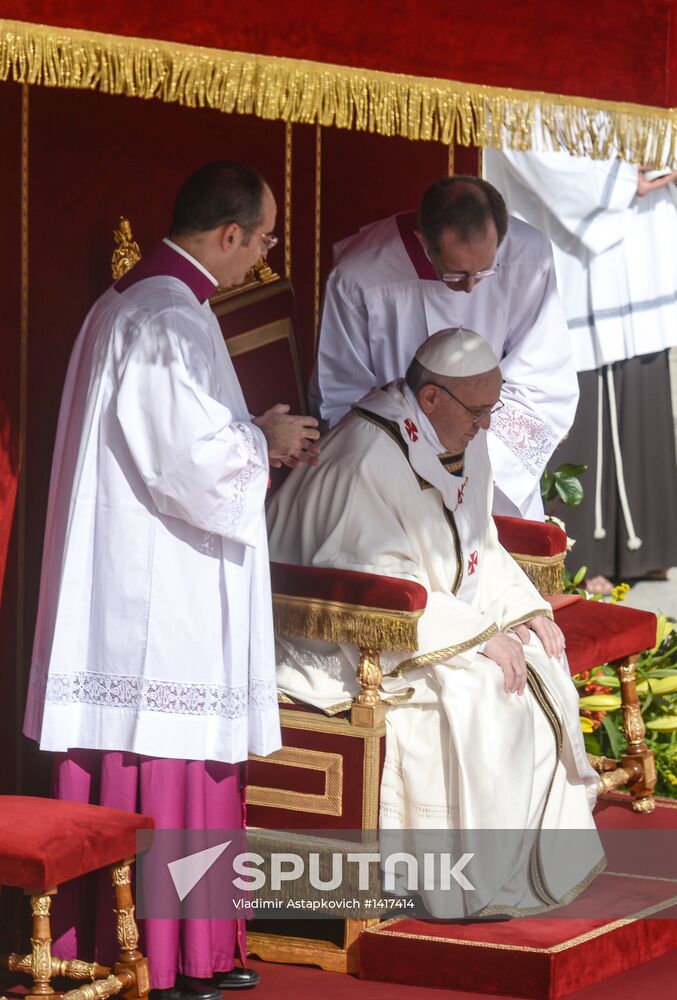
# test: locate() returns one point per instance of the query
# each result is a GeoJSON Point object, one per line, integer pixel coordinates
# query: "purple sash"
{"type": "Point", "coordinates": [406, 223]}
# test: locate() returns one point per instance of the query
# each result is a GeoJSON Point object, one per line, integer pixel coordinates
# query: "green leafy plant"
{"type": "Point", "coordinates": [562, 486]}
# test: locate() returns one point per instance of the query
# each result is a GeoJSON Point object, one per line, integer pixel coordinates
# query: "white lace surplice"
{"type": "Point", "coordinates": [154, 631]}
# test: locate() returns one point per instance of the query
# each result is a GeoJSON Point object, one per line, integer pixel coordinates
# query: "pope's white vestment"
{"type": "Point", "coordinates": [461, 754]}
{"type": "Point", "coordinates": [383, 299]}
{"type": "Point", "coordinates": [154, 631]}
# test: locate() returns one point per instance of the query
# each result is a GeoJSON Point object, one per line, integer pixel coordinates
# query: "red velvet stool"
{"type": "Point", "coordinates": [44, 842]}
{"type": "Point", "coordinates": [595, 633]}
{"type": "Point", "coordinates": [598, 633]}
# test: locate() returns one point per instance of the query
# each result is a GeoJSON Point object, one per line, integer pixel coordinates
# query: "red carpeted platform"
{"type": "Point", "coordinates": [539, 959]}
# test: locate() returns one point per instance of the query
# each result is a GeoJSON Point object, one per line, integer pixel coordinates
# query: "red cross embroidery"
{"type": "Point", "coordinates": [411, 429]}
{"type": "Point", "coordinates": [461, 491]}
{"type": "Point", "coordinates": [472, 562]}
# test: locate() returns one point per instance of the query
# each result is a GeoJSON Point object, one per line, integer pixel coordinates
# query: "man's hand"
{"type": "Point", "coordinates": [290, 438]}
{"type": "Point", "coordinates": [547, 631]}
{"type": "Point", "coordinates": [510, 657]}
{"type": "Point", "coordinates": [644, 185]}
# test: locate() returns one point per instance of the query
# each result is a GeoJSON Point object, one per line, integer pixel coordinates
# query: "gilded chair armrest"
{"type": "Point", "coordinates": [538, 546]}
{"type": "Point", "coordinates": [370, 611]}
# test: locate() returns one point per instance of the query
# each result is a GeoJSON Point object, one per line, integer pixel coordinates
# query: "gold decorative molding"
{"type": "Point", "coordinates": [369, 677]}
{"type": "Point", "coordinates": [121, 874]}
{"type": "Point", "coordinates": [288, 161]}
{"type": "Point", "coordinates": [298, 90]}
{"type": "Point", "coordinates": [127, 931]}
{"type": "Point", "coordinates": [329, 803]}
{"type": "Point", "coordinates": [41, 904]}
{"type": "Point", "coordinates": [96, 991]}
{"type": "Point", "coordinates": [291, 719]}
{"type": "Point", "coordinates": [371, 782]}
{"type": "Point", "coordinates": [317, 242]}
{"type": "Point", "coordinates": [127, 252]}
{"type": "Point", "coordinates": [260, 274]}
{"type": "Point", "coordinates": [21, 517]}
{"type": "Point", "coordinates": [41, 960]}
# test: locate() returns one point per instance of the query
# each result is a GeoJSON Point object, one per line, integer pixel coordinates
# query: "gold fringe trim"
{"type": "Point", "coordinates": [545, 572]}
{"type": "Point", "coordinates": [296, 90]}
{"type": "Point", "coordinates": [333, 621]}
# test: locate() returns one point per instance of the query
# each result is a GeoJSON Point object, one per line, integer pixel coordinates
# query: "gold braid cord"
{"type": "Point", "coordinates": [288, 163]}
{"type": "Point", "coordinates": [297, 90]}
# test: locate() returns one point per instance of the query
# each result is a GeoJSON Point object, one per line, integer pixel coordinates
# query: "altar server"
{"type": "Point", "coordinates": [153, 669]}
{"type": "Point", "coordinates": [459, 262]}
{"type": "Point", "coordinates": [482, 723]}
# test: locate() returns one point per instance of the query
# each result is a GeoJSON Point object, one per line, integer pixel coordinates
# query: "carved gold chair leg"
{"type": "Point", "coordinates": [130, 959]}
{"type": "Point", "coordinates": [637, 769]}
{"type": "Point", "coordinates": [41, 945]}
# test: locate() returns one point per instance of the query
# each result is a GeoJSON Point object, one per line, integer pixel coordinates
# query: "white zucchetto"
{"type": "Point", "coordinates": [457, 353]}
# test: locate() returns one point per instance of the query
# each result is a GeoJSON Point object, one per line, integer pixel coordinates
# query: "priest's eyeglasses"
{"type": "Point", "coordinates": [457, 276]}
{"type": "Point", "coordinates": [269, 241]}
{"type": "Point", "coordinates": [475, 413]}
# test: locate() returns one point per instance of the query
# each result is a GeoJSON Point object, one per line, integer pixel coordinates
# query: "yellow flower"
{"type": "Point", "coordinates": [619, 593]}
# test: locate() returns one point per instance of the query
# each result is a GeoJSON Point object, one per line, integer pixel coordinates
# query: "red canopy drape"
{"type": "Point", "coordinates": [614, 50]}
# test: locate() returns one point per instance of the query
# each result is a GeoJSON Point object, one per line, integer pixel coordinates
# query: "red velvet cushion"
{"type": "Point", "coordinates": [44, 842]}
{"type": "Point", "coordinates": [597, 633]}
{"type": "Point", "coordinates": [530, 538]}
{"type": "Point", "coordinates": [367, 589]}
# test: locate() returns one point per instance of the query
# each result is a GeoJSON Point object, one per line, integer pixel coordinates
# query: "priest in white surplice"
{"type": "Point", "coordinates": [153, 664]}
{"type": "Point", "coordinates": [614, 237]}
{"type": "Point", "coordinates": [460, 261]}
{"type": "Point", "coordinates": [482, 728]}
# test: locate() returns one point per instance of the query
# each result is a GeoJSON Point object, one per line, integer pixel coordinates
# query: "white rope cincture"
{"type": "Point", "coordinates": [600, 531]}
{"type": "Point", "coordinates": [633, 542]}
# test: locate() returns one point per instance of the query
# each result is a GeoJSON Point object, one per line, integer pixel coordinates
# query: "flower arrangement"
{"type": "Point", "coordinates": [656, 669]}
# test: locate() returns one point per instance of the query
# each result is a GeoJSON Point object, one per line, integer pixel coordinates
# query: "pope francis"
{"type": "Point", "coordinates": [482, 730]}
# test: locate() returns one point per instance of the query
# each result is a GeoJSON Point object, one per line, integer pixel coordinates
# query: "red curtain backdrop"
{"type": "Point", "coordinates": [619, 50]}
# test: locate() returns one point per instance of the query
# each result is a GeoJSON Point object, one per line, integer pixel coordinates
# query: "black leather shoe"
{"type": "Point", "coordinates": [188, 989]}
{"type": "Point", "coordinates": [236, 979]}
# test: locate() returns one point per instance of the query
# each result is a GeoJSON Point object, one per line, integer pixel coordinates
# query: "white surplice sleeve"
{"type": "Point", "coordinates": [586, 197]}
{"type": "Point", "coordinates": [198, 463]}
{"type": "Point", "coordinates": [540, 393]}
{"type": "Point", "coordinates": [344, 370]}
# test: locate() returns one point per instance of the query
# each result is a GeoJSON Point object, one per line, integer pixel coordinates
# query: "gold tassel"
{"type": "Point", "coordinates": [295, 90]}
{"type": "Point", "coordinates": [333, 621]}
